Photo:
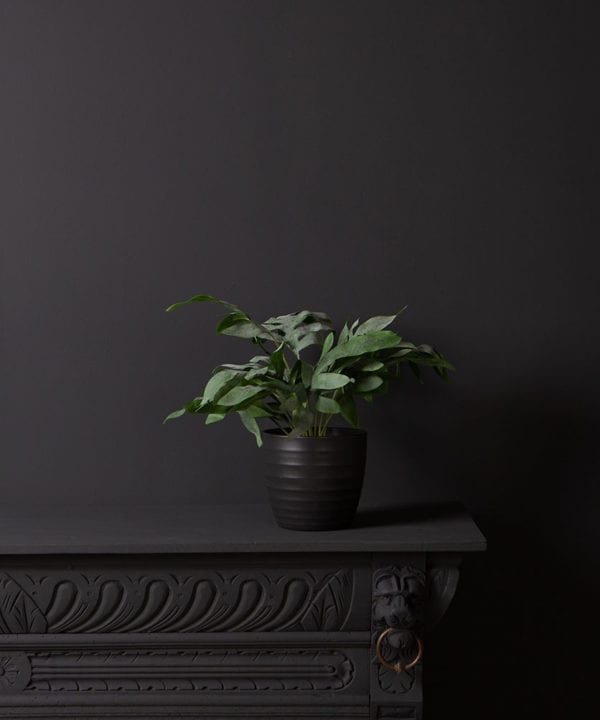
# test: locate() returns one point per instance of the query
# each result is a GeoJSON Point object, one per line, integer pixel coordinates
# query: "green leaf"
{"type": "Point", "coordinates": [240, 394]}
{"type": "Point", "coordinates": [306, 373]}
{"type": "Point", "coordinates": [307, 340]}
{"type": "Point", "coordinates": [298, 330]}
{"type": "Point", "coordinates": [416, 370]}
{"type": "Point", "coordinates": [277, 361]}
{"type": "Point", "coordinates": [368, 384]}
{"type": "Point", "coordinates": [344, 334]}
{"type": "Point", "coordinates": [400, 354]}
{"type": "Point", "coordinates": [219, 382]}
{"type": "Point", "coordinates": [371, 366]}
{"type": "Point", "coordinates": [361, 345]}
{"type": "Point", "coordinates": [201, 298]}
{"type": "Point", "coordinates": [326, 405]}
{"type": "Point", "coordinates": [250, 424]}
{"type": "Point", "coordinates": [194, 405]}
{"type": "Point", "coordinates": [240, 368]}
{"type": "Point", "coordinates": [230, 320]}
{"type": "Point", "coordinates": [442, 372]}
{"type": "Point", "coordinates": [175, 414]}
{"type": "Point", "coordinates": [213, 418]}
{"type": "Point", "coordinates": [259, 412]}
{"type": "Point", "coordinates": [245, 329]}
{"type": "Point", "coordinates": [329, 381]}
{"type": "Point", "coordinates": [302, 419]}
{"type": "Point", "coordinates": [295, 372]}
{"type": "Point", "coordinates": [348, 409]}
{"type": "Point", "coordinates": [257, 372]}
{"type": "Point", "coordinates": [328, 343]}
{"type": "Point", "coordinates": [379, 322]}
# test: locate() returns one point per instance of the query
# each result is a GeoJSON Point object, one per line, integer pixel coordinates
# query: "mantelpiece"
{"type": "Point", "coordinates": [215, 612]}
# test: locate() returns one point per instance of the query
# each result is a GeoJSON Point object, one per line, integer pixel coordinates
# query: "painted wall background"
{"type": "Point", "coordinates": [347, 156]}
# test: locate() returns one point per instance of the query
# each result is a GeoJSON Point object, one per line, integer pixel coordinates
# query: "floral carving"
{"type": "Point", "coordinates": [15, 672]}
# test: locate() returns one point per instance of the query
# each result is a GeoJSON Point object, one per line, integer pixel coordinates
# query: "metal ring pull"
{"type": "Point", "coordinates": [397, 667]}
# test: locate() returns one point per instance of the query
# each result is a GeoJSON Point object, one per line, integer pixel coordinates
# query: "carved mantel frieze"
{"type": "Point", "coordinates": [58, 601]}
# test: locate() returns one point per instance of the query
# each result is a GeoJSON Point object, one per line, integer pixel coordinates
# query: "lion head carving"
{"type": "Point", "coordinates": [399, 596]}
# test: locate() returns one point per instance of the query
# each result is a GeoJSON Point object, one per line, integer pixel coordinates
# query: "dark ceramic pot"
{"type": "Point", "coordinates": [314, 483]}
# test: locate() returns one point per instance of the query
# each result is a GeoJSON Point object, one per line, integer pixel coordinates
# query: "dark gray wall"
{"type": "Point", "coordinates": [352, 157]}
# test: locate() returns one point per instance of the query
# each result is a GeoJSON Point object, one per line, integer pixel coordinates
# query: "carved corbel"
{"type": "Point", "coordinates": [408, 601]}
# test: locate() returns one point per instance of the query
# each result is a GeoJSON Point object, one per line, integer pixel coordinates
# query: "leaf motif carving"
{"type": "Point", "coordinates": [205, 601]}
{"type": "Point", "coordinates": [18, 611]}
{"type": "Point", "coordinates": [330, 606]}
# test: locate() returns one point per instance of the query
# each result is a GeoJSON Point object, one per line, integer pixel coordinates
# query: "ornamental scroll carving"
{"type": "Point", "coordinates": [193, 602]}
{"type": "Point", "coordinates": [177, 671]}
{"type": "Point", "coordinates": [409, 600]}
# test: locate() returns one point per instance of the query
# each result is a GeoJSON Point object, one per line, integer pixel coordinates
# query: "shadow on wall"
{"type": "Point", "coordinates": [508, 646]}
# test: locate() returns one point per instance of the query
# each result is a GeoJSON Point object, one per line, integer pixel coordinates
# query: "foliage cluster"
{"type": "Point", "coordinates": [298, 396]}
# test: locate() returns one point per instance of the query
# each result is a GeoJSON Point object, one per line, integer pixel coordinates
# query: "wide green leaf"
{"type": "Point", "coordinates": [361, 345]}
{"type": "Point", "coordinates": [219, 382]}
{"type": "Point", "coordinates": [212, 418]}
{"type": "Point", "coordinates": [329, 381]}
{"type": "Point", "coordinates": [326, 405]}
{"type": "Point", "coordinates": [245, 329]}
{"type": "Point", "coordinates": [401, 353]}
{"type": "Point", "coordinates": [231, 319]}
{"type": "Point", "coordinates": [371, 366]}
{"type": "Point", "coordinates": [368, 383]}
{"type": "Point", "coordinates": [257, 372]}
{"type": "Point", "coordinates": [379, 322]}
{"type": "Point", "coordinates": [300, 343]}
{"type": "Point", "coordinates": [240, 394]}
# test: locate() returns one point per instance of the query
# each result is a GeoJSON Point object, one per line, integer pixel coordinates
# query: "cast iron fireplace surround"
{"type": "Point", "coordinates": [215, 612]}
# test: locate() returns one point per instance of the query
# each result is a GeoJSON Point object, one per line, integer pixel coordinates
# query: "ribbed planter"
{"type": "Point", "coordinates": [314, 483]}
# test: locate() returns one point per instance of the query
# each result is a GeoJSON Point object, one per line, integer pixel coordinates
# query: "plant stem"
{"type": "Point", "coordinates": [327, 421]}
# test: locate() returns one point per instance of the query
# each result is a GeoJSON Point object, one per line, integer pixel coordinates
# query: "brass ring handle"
{"type": "Point", "coordinates": [397, 667]}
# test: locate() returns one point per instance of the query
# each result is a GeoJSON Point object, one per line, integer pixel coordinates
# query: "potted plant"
{"type": "Point", "coordinates": [303, 376]}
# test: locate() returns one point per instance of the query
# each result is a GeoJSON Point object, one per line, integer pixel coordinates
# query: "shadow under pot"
{"type": "Point", "coordinates": [314, 483]}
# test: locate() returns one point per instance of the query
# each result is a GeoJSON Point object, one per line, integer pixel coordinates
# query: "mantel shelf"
{"type": "Point", "coordinates": [151, 529]}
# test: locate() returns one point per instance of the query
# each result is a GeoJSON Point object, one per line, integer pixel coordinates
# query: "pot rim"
{"type": "Point", "coordinates": [340, 432]}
